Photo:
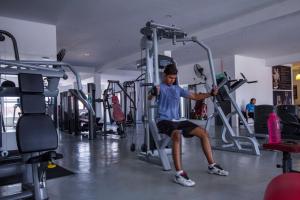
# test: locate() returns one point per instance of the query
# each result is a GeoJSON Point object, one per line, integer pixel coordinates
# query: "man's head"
{"type": "Point", "coordinates": [253, 101]}
{"type": "Point", "coordinates": [170, 74]}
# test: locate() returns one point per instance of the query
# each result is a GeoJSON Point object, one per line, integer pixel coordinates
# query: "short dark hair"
{"type": "Point", "coordinates": [171, 69]}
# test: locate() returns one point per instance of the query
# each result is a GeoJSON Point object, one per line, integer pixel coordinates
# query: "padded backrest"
{"type": "Point", "coordinates": [288, 114]}
{"type": "Point", "coordinates": [31, 93]}
{"type": "Point", "coordinates": [261, 115]}
{"type": "Point", "coordinates": [35, 130]}
{"type": "Point", "coordinates": [281, 110]}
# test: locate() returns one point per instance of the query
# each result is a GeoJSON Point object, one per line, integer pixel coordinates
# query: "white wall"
{"type": "Point", "coordinates": [254, 69]}
{"type": "Point", "coordinates": [35, 40]}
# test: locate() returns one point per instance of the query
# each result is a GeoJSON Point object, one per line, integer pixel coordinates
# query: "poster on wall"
{"type": "Point", "coordinates": [281, 76]}
{"type": "Point", "coordinates": [282, 97]}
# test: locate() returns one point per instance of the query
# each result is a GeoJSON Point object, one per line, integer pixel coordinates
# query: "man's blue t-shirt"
{"type": "Point", "coordinates": [168, 101]}
{"type": "Point", "coordinates": [250, 107]}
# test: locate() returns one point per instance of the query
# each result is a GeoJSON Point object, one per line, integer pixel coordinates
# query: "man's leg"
{"type": "Point", "coordinates": [181, 176]}
{"type": "Point", "coordinates": [213, 168]}
{"type": "Point", "coordinates": [176, 137]}
{"type": "Point", "coordinates": [204, 138]}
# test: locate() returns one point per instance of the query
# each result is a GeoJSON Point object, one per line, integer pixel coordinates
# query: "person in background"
{"type": "Point", "coordinates": [250, 109]}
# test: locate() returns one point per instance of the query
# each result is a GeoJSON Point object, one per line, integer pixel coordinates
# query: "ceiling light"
{"type": "Point", "coordinates": [86, 54]}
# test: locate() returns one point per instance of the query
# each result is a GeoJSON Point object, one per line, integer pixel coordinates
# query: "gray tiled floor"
{"type": "Point", "coordinates": [106, 169]}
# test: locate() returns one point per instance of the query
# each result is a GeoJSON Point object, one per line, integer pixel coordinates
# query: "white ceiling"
{"type": "Point", "coordinates": [109, 30]}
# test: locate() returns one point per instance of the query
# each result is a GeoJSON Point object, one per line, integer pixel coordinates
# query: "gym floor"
{"type": "Point", "coordinates": [106, 169]}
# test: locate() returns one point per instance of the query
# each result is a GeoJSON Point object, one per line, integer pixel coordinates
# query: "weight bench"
{"type": "Point", "coordinates": [286, 149]}
{"type": "Point", "coordinates": [36, 136]}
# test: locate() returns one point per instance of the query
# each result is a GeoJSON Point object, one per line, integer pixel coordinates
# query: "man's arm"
{"type": "Point", "coordinates": [154, 92]}
{"type": "Point", "coordinates": [247, 111]}
{"type": "Point", "coordinates": [201, 96]}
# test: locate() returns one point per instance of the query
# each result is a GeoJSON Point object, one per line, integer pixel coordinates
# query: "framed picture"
{"type": "Point", "coordinates": [281, 76]}
{"type": "Point", "coordinates": [282, 97]}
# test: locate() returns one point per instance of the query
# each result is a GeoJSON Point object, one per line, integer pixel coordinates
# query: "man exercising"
{"type": "Point", "coordinates": [168, 96]}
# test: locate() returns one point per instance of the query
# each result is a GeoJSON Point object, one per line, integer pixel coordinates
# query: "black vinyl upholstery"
{"type": "Point", "coordinates": [35, 130]}
{"type": "Point", "coordinates": [288, 114]}
{"type": "Point", "coordinates": [31, 104]}
{"type": "Point", "coordinates": [36, 133]}
{"type": "Point", "coordinates": [261, 115]}
{"type": "Point", "coordinates": [31, 83]}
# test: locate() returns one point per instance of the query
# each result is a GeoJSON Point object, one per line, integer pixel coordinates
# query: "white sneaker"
{"type": "Point", "coordinates": [217, 169]}
{"type": "Point", "coordinates": [183, 180]}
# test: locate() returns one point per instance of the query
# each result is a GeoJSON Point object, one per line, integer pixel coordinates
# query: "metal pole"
{"type": "Point", "coordinates": [210, 60]}
{"type": "Point", "coordinates": [155, 54]}
{"type": "Point", "coordinates": [14, 41]}
{"type": "Point", "coordinates": [152, 24]}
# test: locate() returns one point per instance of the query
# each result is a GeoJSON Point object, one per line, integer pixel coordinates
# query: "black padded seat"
{"type": "Point", "coordinates": [36, 133]}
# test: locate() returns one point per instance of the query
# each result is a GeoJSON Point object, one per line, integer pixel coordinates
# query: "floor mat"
{"type": "Point", "coordinates": [56, 172]}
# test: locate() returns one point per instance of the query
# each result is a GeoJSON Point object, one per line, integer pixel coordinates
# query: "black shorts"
{"type": "Point", "coordinates": [251, 115]}
{"type": "Point", "coordinates": [167, 127]}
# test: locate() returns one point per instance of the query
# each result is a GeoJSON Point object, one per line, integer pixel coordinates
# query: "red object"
{"type": "Point", "coordinates": [118, 114]}
{"type": "Point", "coordinates": [200, 109]}
{"type": "Point", "coordinates": [274, 128]}
{"type": "Point", "coordinates": [284, 187]}
{"type": "Point", "coordinates": [284, 147]}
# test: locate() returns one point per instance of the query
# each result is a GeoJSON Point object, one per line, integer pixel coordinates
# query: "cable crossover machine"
{"type": "Point", "coordinates": [152, 34]}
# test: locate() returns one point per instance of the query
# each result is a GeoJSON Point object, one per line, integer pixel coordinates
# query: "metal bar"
{"type": "Point", "coordinates": [240, 115]}
{"type": "Point", "coordinates": [147, 113]}
{"type": "Point", "coordinates": [237, 86]}
{"type": "Point", "coordinates": [46, 73]}
{"type": "Point", "coordinates": [156, 25]}
{"type": "Point", "coordinates": [126, 94]}
{"type": "Point", "coordinates": [14, 41]}
{"type": "Point", "coordinates": [79, 94]}
{"type": "Point", "coordinates": [155, 56]}
{"type": "Point", "coordinates": [210, 60]}
{"type": "Point", "coordinates": [27, 65]}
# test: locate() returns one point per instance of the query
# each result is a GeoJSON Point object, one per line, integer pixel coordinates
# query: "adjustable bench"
{"type": "Point", "coordinates": [286, 149]}
{"type": "Point", "coordinates": [36, 134]}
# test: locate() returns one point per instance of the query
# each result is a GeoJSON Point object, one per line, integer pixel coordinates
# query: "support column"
{"type": "Point", "coordinates": [97, 81]}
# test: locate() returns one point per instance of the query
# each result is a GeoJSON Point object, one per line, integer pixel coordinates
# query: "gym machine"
{"type": "Point", "coordinates": [69, 112]}
{"type": "Point", "coordinates": [72, 119]}
{"type": "Point", "coordinates": [112, 107]}
{"type": "Point", "coordinates": [36, 142]}
{"type": "Point", "coordinates": [152, 33]}
{"type": "Point", "coordinates": [131, 88]}
{"type": "Point", "coordinates": [154, 147]}
{"type": "Point", "coordinates": [231, 140]}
